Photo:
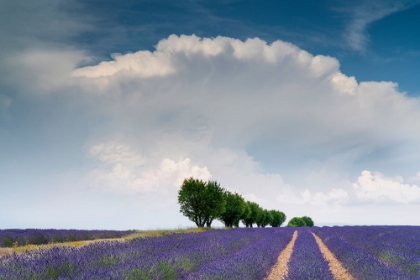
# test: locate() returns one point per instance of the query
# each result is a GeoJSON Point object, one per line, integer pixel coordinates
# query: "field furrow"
{"type": "Point", "coordinates": [280, 269]}
{"type": "Point", "coordinates": [359, 262]}
{"type": "Point", "coordinates": [336, 268]}
{"type": "Point", "coordinates": [307, 261]}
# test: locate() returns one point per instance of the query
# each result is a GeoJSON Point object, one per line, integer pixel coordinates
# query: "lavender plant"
{"type": "Point", "coordinates": [307, 261]}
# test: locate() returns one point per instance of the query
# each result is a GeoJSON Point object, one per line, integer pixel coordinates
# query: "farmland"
{"type": "Point", "coordinates": [362, 252]}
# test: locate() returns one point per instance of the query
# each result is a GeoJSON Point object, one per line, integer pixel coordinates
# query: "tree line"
{"type": "Point", "coordinates": [203, 202]}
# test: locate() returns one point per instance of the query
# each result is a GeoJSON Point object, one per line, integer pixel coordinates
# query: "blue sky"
{"type": "Point", "coordinates": [306, 107]}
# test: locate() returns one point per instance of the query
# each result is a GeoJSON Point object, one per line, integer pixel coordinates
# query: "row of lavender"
{"type": "Point", "coordinates": [19, 237]}
{"type": "Point", "coordinates": [219, 254]}
{"type": "Point", "coordinates": [375, 252]}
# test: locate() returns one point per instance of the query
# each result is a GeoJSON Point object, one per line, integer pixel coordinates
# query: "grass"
{"type": "Point", "coordinates": [137, 234]}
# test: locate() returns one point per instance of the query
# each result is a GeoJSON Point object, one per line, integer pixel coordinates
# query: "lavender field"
{"type": "Point", "coordinates": [19, 237]}
{"type": "Point", "coordinates": [244, 253]}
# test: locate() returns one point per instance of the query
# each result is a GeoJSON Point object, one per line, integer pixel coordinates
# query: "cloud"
{"type": "Point", "coordinates": [114, 153]}
{"type": "Point", "coordinates": [244, 93]}
{"type": "Point", "coordinates": [142, 64]}
{"type": "Point", "coordinates": [42, 71]}
{"type": "Point", "coordinates": [367, 13]}
{"type": "Point", "coordinates": [123, 170]}
{"type": "Point", "coordinates": [244, 113]}
{"type": "Point", "coordinates": [377, 187]}
{"type": "Point", "coordinates": [332, 197]}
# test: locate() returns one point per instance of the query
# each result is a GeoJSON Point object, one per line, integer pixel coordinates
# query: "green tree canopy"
{"type": "Point", "coordinates": [255, 213]}
{"type": "Point", "coordinates": [235, 208]}
{"type": "Point", "coordinates": [266, 218]}
{"type": "Point", "coordinates": [278, 218]}
{"type": "Point", "coordinates": [245, 215]}
{"type": "Point", "coordinates": [215, 202]}
{"type": "Point", "coordinates": [296, 222]}
{"type": "Point", "coordinates": [201, 202]}
{"type": "Point", "coordinates": [308, 221]}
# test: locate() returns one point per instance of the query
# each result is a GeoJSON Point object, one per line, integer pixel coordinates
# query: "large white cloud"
{"type": "Point", "coordinates": [221, 103]}
{"type": "Point", "coordinates": [230, 110]}
{"type": "Point", "coordinates": [377, 187]}
{"type": "Point", "coordinates": [248, 92]}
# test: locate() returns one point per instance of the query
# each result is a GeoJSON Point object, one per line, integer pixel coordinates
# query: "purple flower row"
{"type": "Point", "coordinates": [253, 262]}
{"type": "Point", "coordinates": [19, 237]}
{"type": "Point", "coordinates": [396, 246]}
{"type": "Point", "coordinates": [169, 257]}
{"type": "Point", "coordinates": [307, 261]}
{"type": "Point", "coordinates": [358, 251]}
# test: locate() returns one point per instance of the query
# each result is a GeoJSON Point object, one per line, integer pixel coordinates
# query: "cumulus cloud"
{"type": "Point", "coordinates": [377, 187]}
{"type": "Point", "coordinates": [230, 110]}
{"type": "Point", "coordinates": [246, 92]}
{"type": "Point", "coordinates": [122, 170]}
{"type": "Point", "coordinates": [333, 197]}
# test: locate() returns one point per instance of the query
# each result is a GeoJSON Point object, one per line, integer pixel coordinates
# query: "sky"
{"type": "Point", "coordinates": [308, 107]}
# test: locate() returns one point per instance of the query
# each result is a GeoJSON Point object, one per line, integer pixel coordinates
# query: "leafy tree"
{"type": "Point", "coordinates": [278, 218]}
{"type": "Point", "coordinates": [215, 202]}
{"type": "Point", "coordinates": [308, 221]}
{"type": "Point", "coordinates": [235, 208]}
{"type": "Point", "coordinates": [255, 213]}
{"type": "Point", "coordinates": [201, 202]}
{"type": "Point", "coordinates": [296, 222]}
{"type": "Point", "coordinates": [245, 215]}
{"type": "Point", "coordinates": [192, 199]}
{"type": "Point", "coordinates": [266, 218]}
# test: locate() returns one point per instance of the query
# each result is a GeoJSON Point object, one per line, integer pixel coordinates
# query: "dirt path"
{"type": "Point", "coordinates": [338, 271]}
{"type": "Point", "coordinates": [279, 270]}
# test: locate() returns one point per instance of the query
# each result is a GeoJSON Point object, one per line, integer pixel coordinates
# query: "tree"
{"type": "Point", "coordinates": [215, 202]}
{"type": "Point", "coordinates": [235, 208]}
{"type": "Point", "coordinates": [308, 221]}
{"type": "Point", "coordinates": [266, 218]}
{"type": "Point", "coordinates": [192, 199]}
{"type": "Point", "coordinates": [245, 215]}
{"type": "Point", "coordinates": [255, 212]}
{"type": "Point", "coordinates": [201, 202]}
{"type": "Point", "coordinates": [278, 218]}
{"type": "Point", "coordinates": [296, 222]}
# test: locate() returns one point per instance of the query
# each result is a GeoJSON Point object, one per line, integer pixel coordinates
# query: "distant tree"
{"type": "Point", "coordinates": [296, 222]}
{"type": "Point", "coordinates": [278, 218]}
{"type": "Point", "coordinates": [308, 221]}
{"type": "Point", "coordinates": [245, 215]}
{"type": "Point", "coordinates": [215, 202]}
{"type": "Point", "coordinates": [201, 202]}
{"type": "Point", "coordinates": [255, 212]}
{"type": "Point", "coordinates": [266, 218]}
{"type": "Point", "coordinates": [235, 208]}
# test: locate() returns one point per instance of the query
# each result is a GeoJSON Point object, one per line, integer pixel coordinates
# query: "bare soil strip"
{"type": "Point", "coordinates": [279, 270]}
{"type": "Point", "coordinates": [338, 271]}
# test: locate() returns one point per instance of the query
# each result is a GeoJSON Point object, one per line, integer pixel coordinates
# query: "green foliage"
{"type": "Point", "coordinates": [254, 216]}
{"type": "Point", "coordinates": [215, 202]}
{"type": "Point", "coordinates": [278, 218]}
{"type": "Point", "coordinates": [7, 242]}
{"type": "Point", "coordinates": [235, 208]}
{"type": "Point", "coordinates": [296, 222]}
{"type": "Point", "coordinates": [266, 218]}
{"type": "Point", "coordinates": [201, 202]}
{"type": "Point", "coordinates": [245, 215]}
{"type": "Point", "coordinates": [192, 199]}
{"type": "Point", "coordinates": [308, 221]}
